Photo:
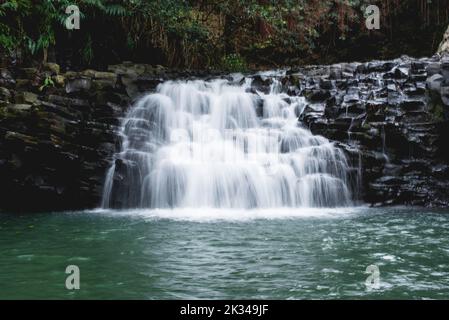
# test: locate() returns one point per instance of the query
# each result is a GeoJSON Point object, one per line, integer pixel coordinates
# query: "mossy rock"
{"type": "Point", "coordinates": [88, 73]}
{"type": "Point", "coordinates": [29, 73]}
{"type": "Point", "coordinates": [22, 84]}
{"type": "Point", "coordinates": [105, 75]}
{"type": "Point", "coordinates": [20, 138]}
{"type": "Point", "coordinates": [5, 94]}
{"type": "Point", "coordinates": [128, 69]}
{"type": "Point", "coordinates": [71, 74]}
{"type": "Point", "coordinates": [19, 107]}
{"type": "Point", "coordinates": [78, 84]}
{"type": "Point", "coordinates": [52, 67]}
{"type": "Point", "coordinates": [59, 80]}
{"type": "Point", "coordinates": [26, 98]}
{"type": "Point", "coordinates": [103, 84]}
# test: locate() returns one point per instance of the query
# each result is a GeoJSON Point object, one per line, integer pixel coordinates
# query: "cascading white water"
{"type": "Point", "coordinates": [218, 144]}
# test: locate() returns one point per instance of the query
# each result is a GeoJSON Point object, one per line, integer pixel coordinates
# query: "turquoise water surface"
{"type": "Point", "coordinates": [217, 254]}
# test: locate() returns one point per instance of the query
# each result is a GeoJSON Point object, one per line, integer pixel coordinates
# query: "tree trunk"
{"type": "Point", "coordinates": [229, 34]}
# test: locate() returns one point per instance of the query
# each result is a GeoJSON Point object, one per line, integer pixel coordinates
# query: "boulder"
{"type": "Point", "coordinates": [78, 84]}
{"type": "Point", "coordinates": [52, 67]}
{"type": "Point", "coordinates": [128, 68]}
{"type": "Point", "coordinates": [20, 138]}
{"type": "Point", "coordinates": [105, 76]}
{"type": "Point", "coordinates": [433, 68]}
{"type": "Point", "coordinates": [433, 83]}
{"type": "Point", "coordinates": [23, 84]}
{"type": "Point", "coordinates": [29, 73]}
{"type": "Point", "coordinates": [27, 98]}
{"type": "Point", "coordinates": [103, 84]}
{"type": "Point", "coordinates": [5, 94]}
{"type": "Point", "coordinates": [130, 85]}
{"type": "Point", "coordinates": [19, 107]}
{"type": "Point", "coordinates": [319, 95]}
{"type": "Point", "coordinates": [67, 101]}
{"type": "Point", "coordinates": [59, 80]}
{"type": "Point", "coordinates": [6, 78]}
{"type": "Point", "coordinates": [445, 95]}
{"type": "Point", "coordinates": [88, 73]}
{"type": "Point", "coordinates": [261, 83]}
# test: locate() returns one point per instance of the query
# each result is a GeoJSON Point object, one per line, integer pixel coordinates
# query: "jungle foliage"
{"type": "Point", "coordinates": [228, 34]}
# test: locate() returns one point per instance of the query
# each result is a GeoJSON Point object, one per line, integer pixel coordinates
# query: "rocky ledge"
{"type": "Point", "coordinates": [391, 117]}
{"type": "Point", "coordinates": [58, 131]}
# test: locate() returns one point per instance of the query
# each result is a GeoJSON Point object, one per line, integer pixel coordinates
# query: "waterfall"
{"type": "Point", "coordinates": [223, 144]}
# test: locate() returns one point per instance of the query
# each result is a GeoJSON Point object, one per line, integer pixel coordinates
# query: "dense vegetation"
{"type": "Point", "coordinates": [230, 34]}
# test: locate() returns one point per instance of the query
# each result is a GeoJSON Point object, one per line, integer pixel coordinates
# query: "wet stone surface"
{"type": "Point", "coordinates": [391, 117]}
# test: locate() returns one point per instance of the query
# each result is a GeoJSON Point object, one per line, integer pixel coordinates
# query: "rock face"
{"type": "Point", "coordinates": [58, 132]}
{"type": "Point", "coordinates": [391, 116]}
{"type": "Point", "coordinates": [444, 46]}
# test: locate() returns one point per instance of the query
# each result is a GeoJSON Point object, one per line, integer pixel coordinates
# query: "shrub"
{"type": "Point", "coordinates": [234, 63]}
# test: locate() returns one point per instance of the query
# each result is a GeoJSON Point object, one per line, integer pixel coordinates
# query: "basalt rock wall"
{"type": "Point", "coordinates": [391, 117]}
{"type": "Point", "coordinates": [59, 131]}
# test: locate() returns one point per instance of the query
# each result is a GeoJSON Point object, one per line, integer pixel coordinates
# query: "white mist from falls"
{"type": "Point", "coordinates": [220, 144]}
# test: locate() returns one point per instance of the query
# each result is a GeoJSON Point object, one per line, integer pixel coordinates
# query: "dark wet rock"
{"type": "Point", "coordinates": [335, 72]}
{"type": "Point", "coordinates": [351, 97]}
{"type": "Point", "coordinates": [318, 95]}
{"type": "Point", "coordinates": [395, 114]}
{"type": "Point", "coordinates": [78, 84]}
{"type": "Point", "coordinates": [57, 143]}
{"type": "Point", "coordinates": [6, 78]}
{"type": "Point", "coordinates": [129, 83]}
{"type": "Point", "coordinates": [293, 80]}
{"type": "Point", "coordinates": [397, 73]}
{"type": "Point", "coordinates": [148, 83]}
{"type": "Point", "coordinates": [28, 73]}
{"type": "Point", "coordinates": [19, 138]}
{"type": "Point", "coordinates": [5, 94]}
{"type": "Point", "coordinates": [389, 116]}
{"type": "Point", "coordinates": [413, 105]}
{"type": "Point", "coordinates": [19, 107]}
{"type": "Point", "coordinates": [332, 108]}
{"type": "Point", "coordinates": [444, 91]}
{"type": "Point", "coordinates": [433, 68]}
{"type": "Point", "coordinates": [26, 98]}
{"type": "Point", "coordinates": [445, 68]}
{"type": "Point", "coordinates": [67, 101]}
{"type": "Point", "coordinates": [261, 83]}
{"type": "Point", "coordinates": [326, 84]}
{"type": "Point", "coordinates": [379, 66]}
{"type": "Point", "coordinates": [128, 69]}
{"type": "Point", "coordinates": [418, 89]}
{"type": "Point", "coordinates": [103, 84]}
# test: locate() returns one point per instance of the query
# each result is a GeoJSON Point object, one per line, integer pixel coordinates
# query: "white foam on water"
{"type": "Point", "coordinates": [232, 215]}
